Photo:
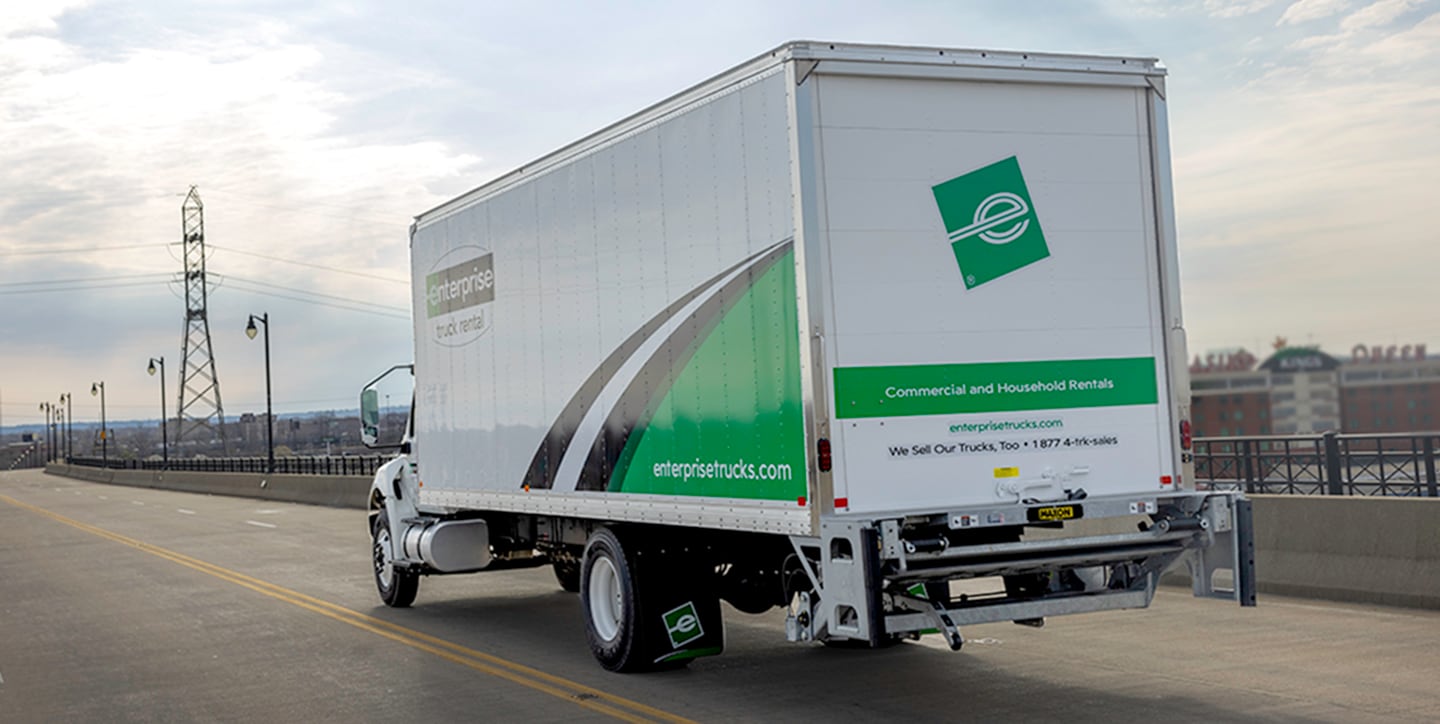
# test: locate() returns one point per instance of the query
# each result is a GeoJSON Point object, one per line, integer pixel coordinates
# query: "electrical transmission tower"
{"type": "Point", "coordinates": [199, 408]}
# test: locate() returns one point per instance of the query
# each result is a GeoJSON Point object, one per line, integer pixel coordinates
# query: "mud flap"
{"type": "Point", "coordinates": [679, 609]}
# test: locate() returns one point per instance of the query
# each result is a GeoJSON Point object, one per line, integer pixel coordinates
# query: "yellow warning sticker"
{"type": "Point", "coordinates": [1007, 472]}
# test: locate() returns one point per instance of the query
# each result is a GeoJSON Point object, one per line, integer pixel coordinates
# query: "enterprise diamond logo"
{"type": "Point", "coordinates": [991, 222]}
{"type": "Point", "coordinates": [682, 623]}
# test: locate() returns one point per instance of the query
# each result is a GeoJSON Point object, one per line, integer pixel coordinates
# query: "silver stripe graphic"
{"type": "Point", "coordinates": [567, 477]}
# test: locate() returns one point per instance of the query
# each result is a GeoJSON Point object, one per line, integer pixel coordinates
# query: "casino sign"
{"type": "Point", "coordinates": [1300, 359]}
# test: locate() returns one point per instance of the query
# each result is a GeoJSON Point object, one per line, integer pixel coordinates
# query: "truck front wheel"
{"type": "Point", "coordinates": [397, 586]}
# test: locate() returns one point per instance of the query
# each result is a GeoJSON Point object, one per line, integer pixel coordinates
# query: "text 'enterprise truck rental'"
{"type": "Point", "coordinates": [831, 331]}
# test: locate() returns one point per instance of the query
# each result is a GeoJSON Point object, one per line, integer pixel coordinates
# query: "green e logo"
{"type": "Point", "coordinates": [991, 222]}
{"type": "Point", "coordinates": [683, 625]}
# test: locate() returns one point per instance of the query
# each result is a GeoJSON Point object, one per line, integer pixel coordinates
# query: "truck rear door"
{"type": "Point", "coordinates": [991, 296]}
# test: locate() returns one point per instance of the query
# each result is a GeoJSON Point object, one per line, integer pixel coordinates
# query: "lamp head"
{"type": "Point", "coordinates": [151, 368]}
{"type": "Point", "coordinates": [94, 388]}
{"type": "Point", "coordinates": [250, 329]}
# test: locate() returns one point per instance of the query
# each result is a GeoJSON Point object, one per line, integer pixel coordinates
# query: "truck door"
{"type": "Point", "coordinates": [993, 332]}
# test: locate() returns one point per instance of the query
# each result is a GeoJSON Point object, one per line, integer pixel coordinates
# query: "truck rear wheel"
{"type": "Point", "coordinates": [397, 586]}
{"type": "Point", "coordinates": [648, 605]}
{"type": "Point", "coordinates": [611, 601]}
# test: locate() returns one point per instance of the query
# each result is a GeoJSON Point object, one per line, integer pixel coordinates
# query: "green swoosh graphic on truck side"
{"type": "Point", "coordinates": [546, 461]}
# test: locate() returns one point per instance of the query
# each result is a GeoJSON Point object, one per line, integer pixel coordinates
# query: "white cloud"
{"type": "Point", "coordinates": [1236, 8]}
{"type": "Point", "coordinates": [1315, 183]}
{"type": "Point", "coordinates": [1376, 14]}
{"type": "Point", "coordinates": [1419, 43]}
{"type": "Point", "coordinates": [1306, 10]}
{"type": "Point", "coordinates": [230, 115]}
{"type": "Point", "coordinates": [97, 148]}
{"type": "Point", "coordinates": [34, 15]}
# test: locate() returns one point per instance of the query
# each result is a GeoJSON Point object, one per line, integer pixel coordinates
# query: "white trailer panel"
{"type": "Point", "coordinates": [636, 352]}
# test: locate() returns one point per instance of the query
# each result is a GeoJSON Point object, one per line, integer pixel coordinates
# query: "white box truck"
{"type": "Point", "coordinates": [831, 331]}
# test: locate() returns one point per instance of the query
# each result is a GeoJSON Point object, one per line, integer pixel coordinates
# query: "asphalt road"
{"type": "Point", "coordinates": [128, 604]}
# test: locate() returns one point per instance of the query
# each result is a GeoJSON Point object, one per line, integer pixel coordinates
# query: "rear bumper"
{"type": "Point", "coordinates": [872, 583]}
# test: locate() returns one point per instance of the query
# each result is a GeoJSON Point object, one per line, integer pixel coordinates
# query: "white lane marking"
{"type": "Point", "coordinates": [77, 492]}
{"type": "Point", "coordinates": [136, 502]}
{"type": "Point", "coordinates": [186, 512]}
{"type": "Point", "coordinates": [268, 511]}
{"type": "Point", "coordinates": [104, 497]}
{"type": "Point", "coordinates": [59, 490]}
{"type": "Point", "coordinates": [2, 680]}
{"type": "Point", "coordinates": [262, 525]}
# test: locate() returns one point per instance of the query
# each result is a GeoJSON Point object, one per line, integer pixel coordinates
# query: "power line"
{"type": "Point", "coordinates": [316, 294]}
{"type": "Point", "coordinates": [392, 280]}
{"type": "Point", "coordinates": [119, 281]}
{"type": "Point", "coordinates": [350, 305]}
{"type": "Point", "coordinates": [80, 288]}
{"type": "Point", "coordinates": [77, 249]}
{"type": "Point", "coordinates": [83, 279]}
{"type": "Point", "coordinates": [304, 208]}
{"type": "Point", "coordinates": [326, 304]}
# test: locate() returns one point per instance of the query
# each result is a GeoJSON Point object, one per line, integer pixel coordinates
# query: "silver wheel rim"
{"type": "Point", "coordinates": [606, 605]}
{"type": "Point", "coordinates": [384, 568]}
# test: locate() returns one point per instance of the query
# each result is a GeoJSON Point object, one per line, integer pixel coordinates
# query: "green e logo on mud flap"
{"type": "Point", "coordinates": [683, 625]}
{"type": "Point", "coordinates": [991, 222]}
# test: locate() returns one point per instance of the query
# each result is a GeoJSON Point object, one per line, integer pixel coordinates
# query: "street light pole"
{"type": "Point", "coordinates": [164, 433]}
{"type": "Point", "coordinates": [98, 388]}
{"type": "Point", "coordinates": [59, 426]}
{"type": "Point", "coordinates": [269, 412]}
{"type": "Point", "coordinates": [69, 422]}
{"type": "Point", "coordinates": [45, 408]}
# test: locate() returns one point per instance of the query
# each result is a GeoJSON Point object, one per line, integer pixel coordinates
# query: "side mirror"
{"type": "Point", "coordinates": [382, 427]}
{"type": "Point", "coordinates": [369, 416]}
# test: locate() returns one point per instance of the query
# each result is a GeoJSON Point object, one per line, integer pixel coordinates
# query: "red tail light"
{"type": "Point", "coordinates": [822, 454]}
{"type": "Point", "coordinates": [1185, 437]}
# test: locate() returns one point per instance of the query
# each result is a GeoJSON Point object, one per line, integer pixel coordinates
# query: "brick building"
{"type": "Point", "coordinates": [1302, 390]}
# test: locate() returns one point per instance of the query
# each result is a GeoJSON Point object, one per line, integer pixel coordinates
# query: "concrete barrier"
{"type": "Point", "coordinates": [1340, 548]}
{"type": "Point", "coordinates": [347, 491]}
{"type": "Point", "coordinates": [1359, 549]}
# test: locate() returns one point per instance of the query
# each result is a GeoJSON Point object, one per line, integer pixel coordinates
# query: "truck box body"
{"type": "Point", "coordinates": [956, 268]}
{"type": "Point", "coordinates": [831, 331]}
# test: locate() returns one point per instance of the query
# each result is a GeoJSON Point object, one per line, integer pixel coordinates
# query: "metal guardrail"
{"type": "Point", "coordinates": [1401, 464]}
{"type": "Point", "coordinates": [1398, 464]}
{"type": "Point", "coordinates": [319, 465]}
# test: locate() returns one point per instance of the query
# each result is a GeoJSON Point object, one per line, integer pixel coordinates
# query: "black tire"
{"type": "Point", "coordinates": [567, 574]}
{"type": "Point", "coordinates": [611, 602]}
{"type": "Point", "coordinates": [397, 586]}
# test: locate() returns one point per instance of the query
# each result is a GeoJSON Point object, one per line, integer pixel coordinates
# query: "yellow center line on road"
{"type": "Point", "coordinates": [571, 691]}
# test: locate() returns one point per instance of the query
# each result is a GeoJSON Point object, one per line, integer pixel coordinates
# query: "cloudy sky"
{"type": "Point", "coordinates": [1306, 139]}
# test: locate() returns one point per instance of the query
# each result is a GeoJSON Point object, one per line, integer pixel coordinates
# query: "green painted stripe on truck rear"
{"type": "Point", "coordinates": [945, 389]}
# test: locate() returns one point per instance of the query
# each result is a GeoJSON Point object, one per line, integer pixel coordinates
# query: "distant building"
{"type": "Point", "coordinates": [1302, 390]}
